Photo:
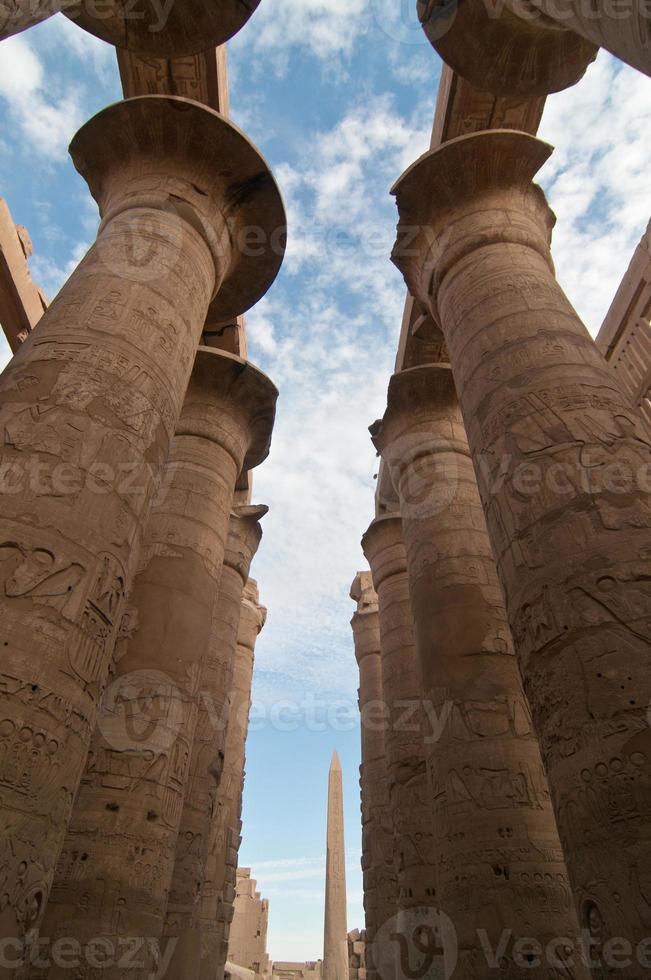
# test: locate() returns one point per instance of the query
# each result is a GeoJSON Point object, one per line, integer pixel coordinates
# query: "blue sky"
{"type": "Point", "coordinates": [339, 95]}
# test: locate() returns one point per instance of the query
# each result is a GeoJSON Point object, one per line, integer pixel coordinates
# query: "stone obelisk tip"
{"type": "Point", "coordinates": [335, 765]}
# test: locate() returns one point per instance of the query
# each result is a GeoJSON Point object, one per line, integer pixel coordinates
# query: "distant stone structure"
{"type": "Point", "coordinates": [288, 970]}
{"type": "Point", "coordinates": [335, 941]}
{"type": "Point", "coordinates": [357, 955]}
{"type": "Point", "coordinates": [22, 302]}
{"type": "Point", "coordinates": [247, 945]}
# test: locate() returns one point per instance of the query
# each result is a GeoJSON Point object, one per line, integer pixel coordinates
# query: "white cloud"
{"type": "Point", "coordinates": [45, 117]}
{"type": "Point", "coordinates": [598, 181]}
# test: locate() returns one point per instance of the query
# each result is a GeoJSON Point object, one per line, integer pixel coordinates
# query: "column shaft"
{"type": "Point", "coordinates": [562, 463]}
{"type": "Point", "coordinates": [139, 775]}
{"type": "Point", "coordinates": [89, 406]}
{"type": "Point", "coordinates": [228, 822]}
{"type": "Point", "coordinates": [196, 846]}
{"type": "Point", "coordinates": [378, 865]}
{"type": "Point", "coordinates": [409, 793]}
{"type": "Point", "coordinates": [499, 864]}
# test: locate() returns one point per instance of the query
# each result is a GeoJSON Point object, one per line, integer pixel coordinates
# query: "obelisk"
{"type": "Point", "coordinates": [335, 939]}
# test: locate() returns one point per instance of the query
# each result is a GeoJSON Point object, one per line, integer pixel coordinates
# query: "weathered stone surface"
{"type": "Point", "coordinates": [90, 404]}
{"type": "Point", "coordinates": [409, 792]}
{"type": "Point", "coordinates": [248, 939]}
{"type": "Point", "coordinates": [625, 31]}
{"type": "Point", "coordinates": [22, 302]}
{"type": "Point", "coordinates": [507, 49]}
{"type": "Point", "coordinates": [184, 27]}
{"type": "Point", "coordinates": [547, 422]}
{"type": "Point", "coordinates": [160, 804]}
{"type": "Point", "coordinates": [335, 928]}
{"type": "Point", "coordinates": [378, 866]}
{"type": "Point", "coordinates": [238, 606]}
{"type": "Point", "coordinates": [495, 835]}
{"type": "Point", "coordinates": [625, 335]}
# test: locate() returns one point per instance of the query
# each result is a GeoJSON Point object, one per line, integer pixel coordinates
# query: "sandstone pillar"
{"type": "Point", "coordinates": [335, 928]}
{"type": "Point", "coordinates": [89, 405]}
{"type": "Point", "coordinates": [532, 48]}
{"type": "Point", "coordinates": [510, 48]}
{"type": "Point", "coordinates": [404, 735]}
{"type": "Point", "coordinates": [380, 884]}
{"type": "Point", "coordinates": [146, 726]}
{"type": "Point", "coordinates": [164, 30]}
{"type": "Point", "coordinates": [218, 893]}
{"type": "Point", "coordinates": [562, 462]}
{"type": "Point", "coordinates": [499, 864]}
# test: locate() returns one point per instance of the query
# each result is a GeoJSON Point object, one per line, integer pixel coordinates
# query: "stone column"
{"type": "Point", "coordinates": [164, 30]}
{"type": "Point", "coordinates": [195, 854]}
{"type": "Point", "coordinates": [562, 462]}
{"type": "Point", "coordinates": [228, 822]}
{"type": "Point", "coordinates": [404, 734]}
{"type": "Point", "coordinates": [499, 864]}
{"type": "Point", "coordinates": [380, 883]}
{"type": "Point", "coordinates": [537, 47]}
{"type": "Point", "coordinates": [124, 824]}
{"type": "Point", "coordinates": [510, 48]}
{"type": "Point", "coordinates": [89, 405]}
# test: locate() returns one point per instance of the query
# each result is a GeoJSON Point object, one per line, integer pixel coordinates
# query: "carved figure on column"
{"type": "Point", "coordinates": [90, 403]}
{"type": "Point", "coordinates": [562, 462]}
{"type": "Point", "coordinates": [147, 724]}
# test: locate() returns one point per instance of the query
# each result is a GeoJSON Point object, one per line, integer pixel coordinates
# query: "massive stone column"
{"type": "Point", "coordinates": [499, 864]}
{"type": "Point", "coordinates": [380, 881]}
{"type": "Point", "coordinates": [165, 29]}
{"type": "Point", "coordinates": [335, 928]}
{"type": "Point", "coordinates": [89, 406]}
{"type": "Point", "coordinates": [509, 48]}
{"type": "Point", "coordinates": [149, 780]}
{"type": "Point", "coordinates": [405, 730]}
{"type": "Point", "coordinates": [562, 462]}
{"type": "Point", "coordinates": [218, 892]}
{"type": "Point", "coordinates": [533, 47]}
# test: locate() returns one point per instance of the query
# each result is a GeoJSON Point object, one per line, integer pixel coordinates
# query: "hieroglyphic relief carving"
{"type": "Point", "coordinates": [544, 417]}
{"type": "Point", "coordinates": [89, 405]}
{"type": "Point", "coordinates": [142, 777]}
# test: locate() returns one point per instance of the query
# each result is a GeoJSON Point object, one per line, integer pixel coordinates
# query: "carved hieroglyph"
{"type": "Point", "coordinates": [509, 49]}
{"type": "Point", "coordinates": [335, 929]}
{"type": "Point", "coordinates": [89, 406]}
{"type": "Point", "coordinates": [149, 785]}
{"type": "Point", "coordinates": [184, 27]}
{"type": "Point", "coordinates": [378, 865]}
{"type": "Point", "coordinates": [562, 462]}
{"type": "Point", "coordinates": [499, 863]}
{"type": "Point", "coordinates": [409, 792]}
{"type": "Point", "coordinates": [238, 620]}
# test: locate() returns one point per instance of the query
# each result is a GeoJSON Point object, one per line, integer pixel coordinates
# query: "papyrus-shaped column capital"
{"type": "Point", "coordinates": [365, 624]}
{"type": "Point", "coordinates": [167, 30]}
{"type": "Point", "coordinates": [189, 163]}
{"type": "Point", "coordinates": [506, 48]}
{"type": "Point", "coordinates": [384, 548]}
{"type": "Point", "coordinates": [246, 397]}
{"type": "Point", "coordinates": [471, 192]}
